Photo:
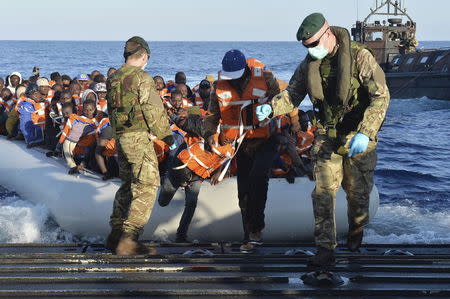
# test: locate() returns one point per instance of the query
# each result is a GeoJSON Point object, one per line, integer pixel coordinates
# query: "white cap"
{"type": "Point", "coordinates": [42, 82]}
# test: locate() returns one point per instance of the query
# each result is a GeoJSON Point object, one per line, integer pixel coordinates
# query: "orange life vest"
{"type": "Point", "coordinates": [238, 112]}
{"type": "Point", "coordinates": [161, 148]}
{"type": "Point", "coordinates": [305, 141]}
{"type": "Point", "coordinates": [20, 100]}
{"type": "Point", "coordinates": [198, 101]}
{"type": "Point", "coordinates": [203, 162]}
{"type": "Point", "coordinates": [281, 122]}
{"type": "Point", "coordinates": [102, 105]}
{"type": "Point", "coordinates": [287, 160]}
{"type": "Point", "coordinates": [8, 105]}
{"type": "Point", "coordinates": [38, 115]}
{"type": "Point", "coordinates": [110, 148]}
{"type": "Point", "coordinates": [253, 62]}
{"type": "Point", "coordinates": [86, 140]}
{"type": "Point", "coordinates": [163, 93]}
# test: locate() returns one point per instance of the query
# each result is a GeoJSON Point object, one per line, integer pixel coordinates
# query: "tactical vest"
{"type": "Point", "coordinates": [125, 110]}
{"type": "Point", "coordinates": [334, 88]}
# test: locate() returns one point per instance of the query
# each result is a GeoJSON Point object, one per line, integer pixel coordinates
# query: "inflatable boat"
{"type": "Point", "coordinates": [82, 204]}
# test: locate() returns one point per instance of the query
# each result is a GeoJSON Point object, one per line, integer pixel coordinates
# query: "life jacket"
{"type": "Point", "coordinates": [238, 112]}
{"type": "Point", "coordinates": [8, 105]}
{"type": "Point", "coordinates": [163, 93]}
{"type": "Point", "coordinates": [126, 114]}
{"type": "Point", "coordinates": [186, 103]}
{"type": "Point", "coordinates": [38, 116]}
{"type": "Point", "coordinates": [101, 124]}
{"type": "Point", "coordinates": [305, 141]}
{"type": "Point", "coordinates": [49, 96]}
{"type": "Point", "coordinates": [20, 100]}
{"type": "Point", "coordinates": [110, 148]}
{"type": "Point", "coordinates": [161, 148]}
{"type": "Point", "coordinates": [334, 88]}
{"type": "Point", "coordinates": [102, 105]}
{"type": "Point", "coordinates": [202, 162]}
{"type": "Point", "coordinates": [285, 162]}
{"type": "Point", "coordinates": [87, 138]}
{"type": "Point", "coordinates": [282, 122]}
{"type": "Point", "coordinates": [198, 101]}
{"type": "Point", "coordinates": [253, 62]}
{"type": "Point", "coordinates": [167, 104]}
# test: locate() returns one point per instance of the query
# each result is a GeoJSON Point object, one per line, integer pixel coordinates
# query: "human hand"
{"type": "Point", "coordinates": [263, 111]}
{"type": "Point", "coordinates": [358, 144]}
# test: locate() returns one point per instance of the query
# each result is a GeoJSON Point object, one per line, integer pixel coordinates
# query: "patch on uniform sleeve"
{"type": "Point", "coordinates": [225, 95]}
{"type": "Point", "coordinates": [258, 92]}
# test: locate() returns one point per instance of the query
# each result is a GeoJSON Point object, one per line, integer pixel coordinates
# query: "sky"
{"type": "Point", "coordinates": [196, 20]}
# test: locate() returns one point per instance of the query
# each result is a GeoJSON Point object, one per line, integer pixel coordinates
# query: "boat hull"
{"type": "Point", "coordinates": [412, 85]}
{"type": "Point", "coordinates": [82, 204]}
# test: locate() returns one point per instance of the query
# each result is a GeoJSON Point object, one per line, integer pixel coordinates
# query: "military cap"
{"type": "Point", "coordinates": [140, 41]}
{"type": "Point", "coordinates": [310, 26]}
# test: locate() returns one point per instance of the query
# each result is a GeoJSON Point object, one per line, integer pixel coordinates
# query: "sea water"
{"type": "Point", "coordinates": [413, 172]}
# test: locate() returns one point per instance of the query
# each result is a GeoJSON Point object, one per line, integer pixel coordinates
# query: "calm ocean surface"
{"type": "Point", "coordinates": [413, 172]}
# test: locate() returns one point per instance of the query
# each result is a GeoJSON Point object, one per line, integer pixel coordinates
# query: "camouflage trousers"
{"type": "Point", "coordinates": [331, 170]}
{"type": "Point", "coordinates": [138, 170]}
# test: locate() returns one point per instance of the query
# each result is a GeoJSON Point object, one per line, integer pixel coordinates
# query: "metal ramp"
{"type": "Point", "coordinates": [219, 269]}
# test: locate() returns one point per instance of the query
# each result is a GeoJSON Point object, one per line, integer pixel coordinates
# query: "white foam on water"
{"type": "Point", "coordinates": [24, 222]}
{"type": "Point", "coordinates": [408, 224]}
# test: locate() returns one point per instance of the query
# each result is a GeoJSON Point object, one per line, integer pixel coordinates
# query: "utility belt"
{"type": "Point", "coordinates": [333, 134]}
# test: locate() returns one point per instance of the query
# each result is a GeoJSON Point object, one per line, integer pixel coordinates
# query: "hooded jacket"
{"type": "Point", "coordinates": [13, 89]}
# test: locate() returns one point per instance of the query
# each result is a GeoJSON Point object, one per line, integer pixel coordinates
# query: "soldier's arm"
{"type": "Point", "coordinates": [373, 79]}
{"type": "Point", "coordinates": [273, 88]}
{"type": "Point", "coordinates": [153, 110]}
{"type": "Point", "coordinates": [289, 99]}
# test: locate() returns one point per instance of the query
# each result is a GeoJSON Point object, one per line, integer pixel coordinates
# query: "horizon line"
{"type": "Point", "coordinates": [174, 41]}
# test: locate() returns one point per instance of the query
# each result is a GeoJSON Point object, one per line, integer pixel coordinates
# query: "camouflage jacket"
{"type": "Point", "coordinates": [133, 82]}
{"type": "Point", "coordinates": [370, 76]}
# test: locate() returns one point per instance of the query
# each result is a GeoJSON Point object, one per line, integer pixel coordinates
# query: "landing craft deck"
{"type": "Point", "coordinates": [218, 269]}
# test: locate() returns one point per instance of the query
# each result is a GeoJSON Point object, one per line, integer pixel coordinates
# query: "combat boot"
{"type": "Point", "coordinates": [354, 238]}
{"type": "Point", "coordinates": [323, 257]}
{"type": "Point", "coordinates": [129, 245]}
{"type": "Point", "coordinates": [113, 239]}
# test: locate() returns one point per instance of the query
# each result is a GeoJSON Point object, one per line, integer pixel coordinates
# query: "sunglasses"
{"type": "Point", "coordinates": [316, 43]}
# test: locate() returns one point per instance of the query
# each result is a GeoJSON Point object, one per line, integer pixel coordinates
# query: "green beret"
{"type": "Point", "coordinates": [141, 41]}
{"type": "Point", "coordinates": [310, 26]}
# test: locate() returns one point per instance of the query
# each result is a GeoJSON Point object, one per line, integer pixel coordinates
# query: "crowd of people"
{"type": "Point", "coordinates": [151, 132]}
{"type": "Point", "coordinates": [69, 118]}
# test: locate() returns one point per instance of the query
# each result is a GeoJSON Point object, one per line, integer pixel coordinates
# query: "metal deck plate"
{"type": "Point", "coordinates": [219, 269]}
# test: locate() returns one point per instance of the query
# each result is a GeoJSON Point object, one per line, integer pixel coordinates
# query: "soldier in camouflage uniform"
{"type": "Point", "coordinates": [135, 112]}
{"type": "Point", "coordinates": [348, 90]}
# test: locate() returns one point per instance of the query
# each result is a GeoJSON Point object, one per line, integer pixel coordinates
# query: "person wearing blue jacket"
{"type": "Point", "coordinates": [32, 133]}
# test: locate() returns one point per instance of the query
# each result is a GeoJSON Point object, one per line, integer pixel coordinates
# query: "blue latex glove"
{"type": "Point", "coordinates": [358, 144]}
{"type": "Point", "coordinates": [263, 111]}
